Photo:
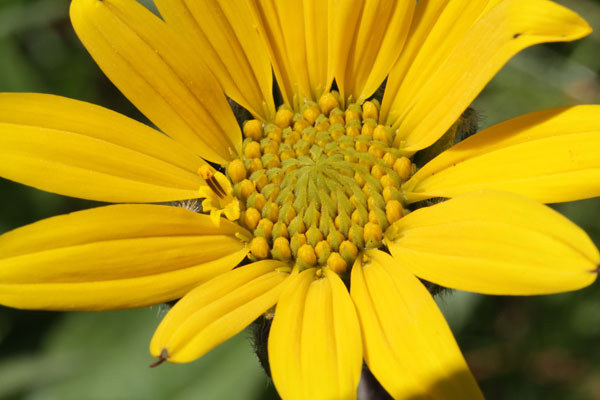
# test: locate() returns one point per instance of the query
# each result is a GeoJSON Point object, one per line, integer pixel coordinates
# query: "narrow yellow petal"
{"type": "Point", "coordinates": [160, 74]}
{"type": "Point", "coordinates": [436, 28]}
{"type": "Point", "coordinates": [551, 156]}
{"type": "Point", "coordinates": [114, 257]}
{"type": "Point", "coordinates": [115, 294]}
{"type": "Point", "coordinates": [223, 33]}
{"type": "Point", "coordinates": [82, 150]}
{"type": "Point", "coordinates": [285, 336]}
{"type": "Point", "coordinates": [218, 309]}
{"type": "Point", "coordinates": [424, 99]}
{"type": "Point", "coordinates": [407, 344]}
{"type": "Point", "coordinates": [331, 350]}
{"type": "Point", "coordinates": [315, 348]}
{"type": "Point", "coordinates": [368, 37]}
{"type": "Point", "coordinates": [297, 37]}
{"type": "Point", "coordinates": [494, 243]}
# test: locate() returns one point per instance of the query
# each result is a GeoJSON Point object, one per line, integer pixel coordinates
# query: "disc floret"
{"type": "Point", "coordinates": [319, 185]}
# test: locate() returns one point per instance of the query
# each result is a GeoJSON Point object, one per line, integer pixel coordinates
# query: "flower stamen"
{"type": "Point", "coordinates": [218, 196]}
{"type": "Point", "coordinates": [206, 174]}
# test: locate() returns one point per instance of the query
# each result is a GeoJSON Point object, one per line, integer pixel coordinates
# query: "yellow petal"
{"type": "Point", "coordinates": [113, 257]}
{"type": "Point", "coordinates": [407, 344]}
{"type": "Point", "coordinates": [218, 309]}
{"type": "Point", "coordinates": [215, 217]}
{"type": "Point", "coordinates": [495, 243]}
{"type": "Point", "coordinates": [460, 54]}
{"type": "Point", "coordinates": [160, 74]}
{"type": "Point", "coordinates": [296, 34]}
{"type": "Point", "coordinates": [82, 150]}
{"type": "Point", "coordinates": [223, 33]}
{"type": "Point", "coordinates": [551, 156]}
{"type": "Point", "coordinates": [315, 349]}
{"type": "Point", "coordinates": [436, 28]}
{"type": "Point", "coordinates": [368, 37]}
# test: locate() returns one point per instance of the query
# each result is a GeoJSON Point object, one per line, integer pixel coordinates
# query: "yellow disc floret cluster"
{"type": "Point", "coordinates": [319, 185]}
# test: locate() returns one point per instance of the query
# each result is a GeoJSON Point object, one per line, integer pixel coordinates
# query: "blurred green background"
{"type": "Point", "coordinates": [519, 348]}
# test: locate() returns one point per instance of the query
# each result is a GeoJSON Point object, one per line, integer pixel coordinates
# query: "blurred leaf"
{"type": "Point", "coordinates": [16, 16]}
{"type": "Point", "coordinates": [458, 307]}
{"type": "Point", "coordinates": [105, 356]}
{"type": "Point", "coordinates": [17, 73]}
{"type": "Point", "coordinates": [26, 373]}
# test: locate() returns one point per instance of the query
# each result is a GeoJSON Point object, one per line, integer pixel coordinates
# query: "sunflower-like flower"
{"type": "Point", "coordinates": [331, 194]}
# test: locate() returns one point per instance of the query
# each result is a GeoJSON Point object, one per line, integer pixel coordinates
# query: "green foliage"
{"type": "Point", "coordinates": [105, 356]}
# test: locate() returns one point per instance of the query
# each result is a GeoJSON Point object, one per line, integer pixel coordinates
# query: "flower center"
{"type": "Point", "coordinates": [319, 185]}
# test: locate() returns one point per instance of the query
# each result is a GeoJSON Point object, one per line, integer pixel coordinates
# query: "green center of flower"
{"type": "Point", "coordinates": [319, 185]}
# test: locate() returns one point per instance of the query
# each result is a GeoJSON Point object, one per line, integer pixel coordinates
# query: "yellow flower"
{"type": "Point", "coordinates": [321, 193]}
{"type": "Point", "coordinates": [217, 195]}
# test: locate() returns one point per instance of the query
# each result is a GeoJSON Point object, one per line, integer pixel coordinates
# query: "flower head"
{"type": "Point", "coordinates": [328, 197]}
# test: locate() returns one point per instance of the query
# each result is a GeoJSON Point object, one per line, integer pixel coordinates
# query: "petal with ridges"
{"type": "Point", "coordinates": [80, 260]}
{"type": "Point", "coordinates": [222, 32]}
{"type": "Point", "coordinates": [407, 343]}
{"type": "Point", "coordinates": [218, 309]}
{"type": "Point", "coordinates": [159, 74]}
{"type": "Point", "coordinates": [314, 344]}
{"type": "Point", "coordinates": [379, 29]}
{"type": "Point", "coordinates": [118, 293]}
{"type": "Point", "coordinates": [494, 243]}
{"type": "Point", "coordinates": [82, 150]}
{"type": "Point", "coordinates": [296, 34]}
{"type": "Point", "coordinates": [551, 156]}
{"type": "Point", "coordinates": [437, 27]}
{"type": "Point", "coordinates": [447, 86]}
{"type": "Point", "coordinates": [285, 336]}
